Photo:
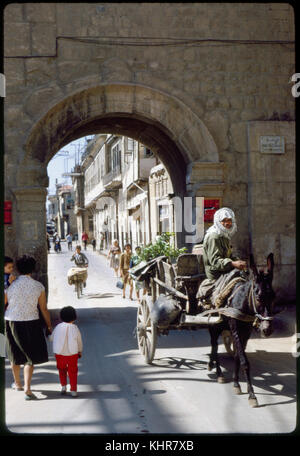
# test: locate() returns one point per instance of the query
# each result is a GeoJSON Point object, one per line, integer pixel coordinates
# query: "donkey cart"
{"type": "Point", "coordinates": [170, 302]}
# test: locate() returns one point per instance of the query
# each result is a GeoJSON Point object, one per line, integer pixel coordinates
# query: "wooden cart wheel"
{"type": "Point", "coordinates": [146, 332]}
{"type": "Point", "coordinates": [228, 342]}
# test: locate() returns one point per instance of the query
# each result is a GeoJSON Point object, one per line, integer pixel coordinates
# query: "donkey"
{"type": "Point", "coordinates": [249, 304]}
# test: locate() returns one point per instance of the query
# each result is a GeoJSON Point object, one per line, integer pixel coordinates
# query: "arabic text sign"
{"type": "Point", "coordinates": [271, 144]}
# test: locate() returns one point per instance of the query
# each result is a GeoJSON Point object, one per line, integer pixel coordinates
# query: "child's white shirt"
{"type": "Point", "coordinates": [66, 339]}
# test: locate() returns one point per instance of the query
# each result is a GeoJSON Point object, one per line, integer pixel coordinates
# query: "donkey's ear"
{"type": "Point", "coordinates": [253, 265]}
{"type": "Point", "coordinates": [270, 264]}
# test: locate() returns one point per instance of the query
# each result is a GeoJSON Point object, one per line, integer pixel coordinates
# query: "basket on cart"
{"type": "Point", "coordinates": [77, 276]}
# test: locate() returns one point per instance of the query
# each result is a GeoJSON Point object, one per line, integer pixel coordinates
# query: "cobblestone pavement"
{"type": "Point", "coordinates": [118, 393]}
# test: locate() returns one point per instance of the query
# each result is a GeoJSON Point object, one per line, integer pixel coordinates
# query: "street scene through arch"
{"type": "Point", "coordinates": [201, 94]}
{"type": "Point", "coordinates": [158, 130]}
{"type": "Point", "coordinates": [112, 187]}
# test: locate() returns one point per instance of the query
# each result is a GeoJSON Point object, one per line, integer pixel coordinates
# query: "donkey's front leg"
{"type": "Point", "coordinates": [236, 385]}
{"type": "Point", "coordinates": [214, 358]}
{"type": "Point", "coordinates": [237, 328]}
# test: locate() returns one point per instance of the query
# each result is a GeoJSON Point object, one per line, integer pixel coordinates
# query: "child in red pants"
{"type": "Point", "coordinates": [67, 347]}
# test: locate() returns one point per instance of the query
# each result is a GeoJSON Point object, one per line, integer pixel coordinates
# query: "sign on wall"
{"type": "Point", "coordinates": [210, 207]}
{"type": "Point", "coordinates": [271, 144]}
{"type": "Point", "coordinates": [7, 212]}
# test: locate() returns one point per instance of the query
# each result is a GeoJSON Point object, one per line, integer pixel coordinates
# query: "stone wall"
{"type": "Point", "coordinates": [199, 72]}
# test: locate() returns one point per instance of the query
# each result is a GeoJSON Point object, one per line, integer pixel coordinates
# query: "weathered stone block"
{"type": "Point", "coordinates": [15, 76]}
{"type": "Point", "coordinates": [218, 126]}
{"type": "Point", "coordinates": [252, 114]}
{"type": "Point", "coordinates": [274, 219]}
{"type": "Point", "coordinates": [15, 118]}
{"type": "Point", "coordinates": [288, 249]}
{"type": "Point", "coordinates": [43, 40]}
{"type": "Point", "coordinates": [37, 102]}
{"type": "Point", "coordinates": [40, 12]}
{"type": "Point", "coordinates": [238, 136]}
{"type": "Point", "coordinates": [16, 39]}
{"type": "Point", "coordinates": [13, 13]}
{"type": "Point", "coordinates": [70, 71]}
{"type": "Point", "coordinates": [39, 72]}
{"type": "Point", "coordinates": [237, 194]}
{"type": "Point", "coordinates": [205, 172]}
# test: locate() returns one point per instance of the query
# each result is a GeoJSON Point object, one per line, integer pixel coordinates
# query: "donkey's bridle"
{"type": "Point", "coordinates": [253, 300]}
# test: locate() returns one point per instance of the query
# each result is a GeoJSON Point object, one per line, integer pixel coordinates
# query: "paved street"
{"type": "Point", "coordinates": [119, 393]}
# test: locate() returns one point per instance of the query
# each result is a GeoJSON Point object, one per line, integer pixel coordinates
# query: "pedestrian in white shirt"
{"type": "Point", "coordinates": [67, 347]}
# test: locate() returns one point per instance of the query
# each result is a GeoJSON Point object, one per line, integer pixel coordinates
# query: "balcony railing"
{"type": "Point", "coordinates": [113, 179]}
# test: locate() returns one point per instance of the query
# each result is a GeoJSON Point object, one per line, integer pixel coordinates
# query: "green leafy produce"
{"type": "Point", "coordinates": [161, 247]}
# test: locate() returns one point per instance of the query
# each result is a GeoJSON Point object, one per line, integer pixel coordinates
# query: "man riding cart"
{"type": "Point", "coordinates": [222, 269]}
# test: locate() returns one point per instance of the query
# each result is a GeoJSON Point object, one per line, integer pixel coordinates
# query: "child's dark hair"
{"type": "Point", "coordinates": [7, 260]}
{"type": "Point", "coordinates": [68, 314]}
{"type": "Point", "coordinates": [25, 264]}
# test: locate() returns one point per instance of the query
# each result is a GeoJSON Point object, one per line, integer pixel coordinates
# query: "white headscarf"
{"type": "Point", "coordinates": [218, 228]}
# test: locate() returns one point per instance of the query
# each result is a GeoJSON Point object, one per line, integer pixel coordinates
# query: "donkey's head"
{"type": "Point", "coordinates": [263, 294]}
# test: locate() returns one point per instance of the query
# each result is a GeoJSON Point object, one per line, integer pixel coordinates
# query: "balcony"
{"type": "Point", "coordinates": [113, 179]}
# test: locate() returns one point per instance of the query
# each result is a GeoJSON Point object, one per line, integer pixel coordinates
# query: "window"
{"type": "Point", "coordinates": [91, 223]}
{"type": "Point", "coordinates": [70, 203]}
{"type": "Point", "coordinates": [130, 144]}
{"type": "Point", "coordinates": [116, 157]}
{"type": "Point", "coordinates": [129, 151]}
{"type": "Point", "coordinates": [163, 213]}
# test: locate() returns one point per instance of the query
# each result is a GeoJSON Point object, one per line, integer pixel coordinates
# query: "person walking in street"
{"type": "Point", "coordinates": [84, 239]}
{"type": "Point", "coordinates": [94, 244]}
{"type": "Point", "coordinates": [138, 284]}
{"type": "Point", "coordinates": [114, 256]}
{"type": "Point", "coordinates": [25, 340]}
{"type": "Point", "coordinates": [69, 241]}
{"type": "Point", "coordinates": [67, 347]}
{"type": "Point", "coordinates": [56, 242]}
{"type": "Point", "coordinates": [8, 272]}
{"type": "Point", "coordinates": [102, 237]}
{"type": "Point", "coordinates": [124, 270]}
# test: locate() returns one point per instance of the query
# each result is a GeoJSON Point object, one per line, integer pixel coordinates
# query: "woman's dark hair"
{"type": "Point", "coordinates": [68, 314]}
{"type": "Point", "coordinates": [126, 245]}
{"type": "Point", "coordinates": [25, 264]}
{"type": "Point", "coordinates": [7, 260]}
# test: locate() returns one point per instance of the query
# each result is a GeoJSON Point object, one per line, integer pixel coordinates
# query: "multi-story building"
{"type": "Point", "coordinates": [112, 187]}
{"type": "Point", "coordinates": [61, 210]}
{"type": "Point", "coordinates": [161, 201]}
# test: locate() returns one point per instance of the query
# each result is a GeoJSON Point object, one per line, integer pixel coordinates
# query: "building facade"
{"type": "Point", "coordinates": [61, 210]}
{"type": "Point", "coordinates": [214, 104]}
{"type": "Point", "coordinates": [114, 174]}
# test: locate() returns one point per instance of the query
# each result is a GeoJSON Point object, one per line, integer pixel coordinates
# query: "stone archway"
{"type": "Point", "coordinates": [162, 122]}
